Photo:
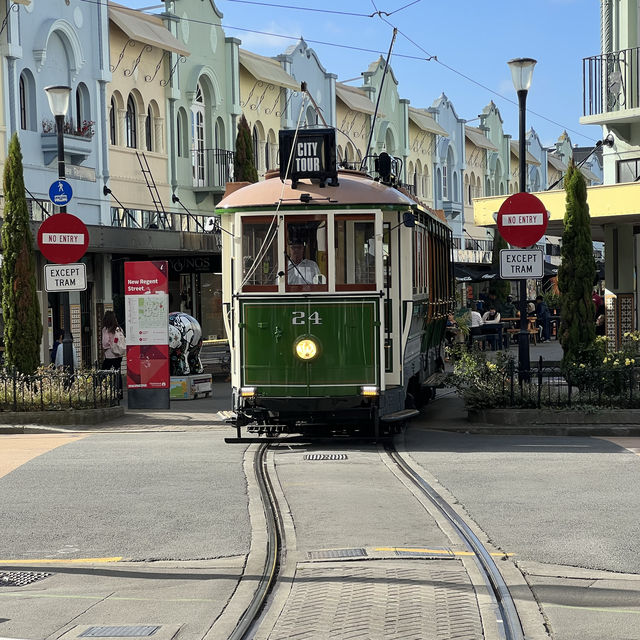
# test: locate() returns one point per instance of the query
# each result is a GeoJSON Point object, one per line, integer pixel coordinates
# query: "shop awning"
{"type": "Point", "coordinates": [268, 70]}
{"type": "Point", "coordinates": [145, 28]}
{"type": "Point", "coordinates": [426, 122]}
{"type": "Point", "coordinates": [472, 273]}
{"type": "Point", "coordinates": [530, 158]}
{"type": "Point", "coordinates": [355, 99]}
{"type": "Point", "coordinates": [476, 137]}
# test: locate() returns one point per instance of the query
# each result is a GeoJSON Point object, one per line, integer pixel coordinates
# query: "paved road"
{"type": "Point", "coordinates": [567, 507]}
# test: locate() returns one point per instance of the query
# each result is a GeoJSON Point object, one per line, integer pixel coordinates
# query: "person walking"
{"type": "Point", "coordinates": [544, 318]}
{"type": "Point", "coordinates": [114, 345]}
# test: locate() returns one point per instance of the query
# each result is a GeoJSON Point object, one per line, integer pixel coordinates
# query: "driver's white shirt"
{"type": "Point", "coordinates": [302, 273]}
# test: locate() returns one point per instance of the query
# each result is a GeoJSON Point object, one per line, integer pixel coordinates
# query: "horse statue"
{"type": "Point", "coordinates": [185, 342]}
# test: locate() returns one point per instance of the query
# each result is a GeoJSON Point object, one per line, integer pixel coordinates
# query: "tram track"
{"type": "Point", "coordinates": [507, 620]}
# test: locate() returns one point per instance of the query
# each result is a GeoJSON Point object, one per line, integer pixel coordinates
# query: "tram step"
{"type": "Point", "coordinates": [435, 380]}
{"type": "Point", "coordinates": [398, 416]}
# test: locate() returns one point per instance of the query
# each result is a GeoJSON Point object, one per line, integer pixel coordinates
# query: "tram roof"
{"type": "Point", "coordinates": [354, 189]}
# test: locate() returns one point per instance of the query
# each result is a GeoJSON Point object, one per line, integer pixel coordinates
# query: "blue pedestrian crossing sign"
{"type": "Point", "coordinates": [60, 192]}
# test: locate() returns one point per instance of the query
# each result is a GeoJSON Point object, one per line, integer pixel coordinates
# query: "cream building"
{"type": "Point", "coordinates": [423, 141]}
{"type": "Point", "coordinates": [264, 92]}
{"type": "Point", "coordinates": [354, 113]}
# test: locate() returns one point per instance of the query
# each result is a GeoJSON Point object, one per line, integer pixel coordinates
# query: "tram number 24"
{"type": "Point", "coordinates": [300, 317]}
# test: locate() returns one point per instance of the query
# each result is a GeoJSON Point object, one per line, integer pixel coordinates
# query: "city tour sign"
{"type": "Point", "coordinates": [522, 220]}
{"type": "Point", "coordinates": [63, 238]}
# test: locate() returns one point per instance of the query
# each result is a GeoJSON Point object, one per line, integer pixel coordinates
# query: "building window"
{"type": "Point", "coordinates": [130, 121]}
{"type": "Point", "coordinates": [197, 136]}
{"type": "Point", "coordinates": [113, 138]}
{"type": "Point", "coordinates": [23, 103]}
{"type": "Point", "coordinates": [148, 129]}
{"type": "Point", "coordinates": [444, 183]}
{"type": "Point", "coordinates": [628, 170]}
{"type": "Point", "coordinates": [256, 146]}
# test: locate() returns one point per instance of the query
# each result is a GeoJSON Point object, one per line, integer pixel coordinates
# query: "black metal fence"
{"type": "Point", "coordinates": [56, 390]}
{"type": "Point", "coordinates": [550, 386]}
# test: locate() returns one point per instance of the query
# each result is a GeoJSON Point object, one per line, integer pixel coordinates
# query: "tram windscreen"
{"type": "Point", "coordinates": [355, 251]}
{"type": "Point", "coordinates": [259, 253]}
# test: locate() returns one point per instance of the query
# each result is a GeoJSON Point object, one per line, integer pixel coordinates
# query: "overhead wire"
{"type": "Point", "coordinates": [429, 57]}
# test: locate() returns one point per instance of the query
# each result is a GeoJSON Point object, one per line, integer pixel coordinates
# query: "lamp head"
{"type": "Point", "coordinates": [522, 72]}
{"type": "Point", "coordinates": [58, 96]}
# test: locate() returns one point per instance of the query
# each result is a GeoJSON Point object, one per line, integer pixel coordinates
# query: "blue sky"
{"type": "Point", "coordinates": [472, 41]}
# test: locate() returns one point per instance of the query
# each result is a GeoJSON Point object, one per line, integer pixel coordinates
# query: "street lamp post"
{"type": "Point", "coordinates": [521, 74]}
{"type": "Point", "coordinates": [59, 104]}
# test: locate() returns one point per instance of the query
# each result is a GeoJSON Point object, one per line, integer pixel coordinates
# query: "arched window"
{"type": "Point", "coordinates": [23, 103]}
{"type": "Point", "coordinates": [27, 101]}
{"type": "Point", "coordinates": [256, 146]}
{"type": "Point", "coordinates": [181, 134]}
{"type": "Point", "coordinates": [148, 129]}
{"type": "Point", "coordinates": [197, 133]}
{"type": "Point", "coordinates": [113, 129]}
{"type": "Point", "coordinates": [445, 186]}
{"type": "Point", "coordinates": [130, 123]}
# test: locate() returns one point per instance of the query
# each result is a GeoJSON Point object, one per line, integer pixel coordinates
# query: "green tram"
{"type": "Point", "coordinates": [335, 291]}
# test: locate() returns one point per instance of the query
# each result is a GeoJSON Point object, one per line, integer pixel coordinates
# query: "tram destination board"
{"type": "Point", "coordinates": [309, 154]}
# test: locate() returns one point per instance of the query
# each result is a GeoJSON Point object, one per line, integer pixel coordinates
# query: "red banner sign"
{"type": "Point", "coordinates": [147, 308]}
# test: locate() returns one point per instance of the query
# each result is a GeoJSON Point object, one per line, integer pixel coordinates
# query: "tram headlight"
{"type": "Point", "coordinates": [247, 392]}
{"type": "Point", "coordinates": [369, 391]}
{"type": "Point", "coordinates": [306, 348]}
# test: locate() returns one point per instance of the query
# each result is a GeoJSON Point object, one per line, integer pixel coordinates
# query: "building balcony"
{"type": "Point", "coordinates": [212, 169]}
{"type": "Point", "coordinates": [611, 88]}
{"type": "Point", "coordinates": [78, 148]}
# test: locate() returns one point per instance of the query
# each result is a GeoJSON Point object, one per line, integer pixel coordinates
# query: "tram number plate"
{"type": "Point", "coordinates": [299, 317]}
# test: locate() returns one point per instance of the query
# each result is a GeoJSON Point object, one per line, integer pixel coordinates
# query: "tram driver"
{"type": "Point", "coordinates": [301, 270]}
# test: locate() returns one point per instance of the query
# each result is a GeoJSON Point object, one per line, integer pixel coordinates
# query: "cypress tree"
{"type": "Point", "coordinates": [22, 323]}
{"type": "Point", "coordinates": [245, 166]}
{"type": "Point", "coordinates": [577, 270]}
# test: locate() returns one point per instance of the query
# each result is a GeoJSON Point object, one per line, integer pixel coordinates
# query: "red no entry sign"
{"type": "Point", "coordinates": [522, 219]}
{"type": "Point", "coordinates": [63, 238]}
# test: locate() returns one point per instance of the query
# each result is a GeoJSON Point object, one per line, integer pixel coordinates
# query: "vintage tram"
{"type": "Point", "coordinates": [336, 288]}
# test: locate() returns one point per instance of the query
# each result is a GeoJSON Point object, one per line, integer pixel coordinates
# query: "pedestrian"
{"type": "Point", "coordinates": [491, 316]}
{"type": "Point", "coordinates": [56, 345]}
{"type": "Point", "coordinates": [114, 345]}
{"type": "Point", "coordinates": [508, 309]}
{"type": "Point", "coordinates": [59, 361]}
{"type": "Point", "coordinates": [544, 318]}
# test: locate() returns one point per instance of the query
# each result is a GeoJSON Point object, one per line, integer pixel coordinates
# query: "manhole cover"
{"type": "Point", "coordinates": [133, 631]}
{"type": "Point", "coordinates": [325, 456]}
{"type": "Point", "coordinates": [336, 553]}
{"type": "Point", "coordinates": [20, 578]}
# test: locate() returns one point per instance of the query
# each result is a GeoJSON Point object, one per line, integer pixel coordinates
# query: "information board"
{"type": "Point", "coordinates": [147, 313]}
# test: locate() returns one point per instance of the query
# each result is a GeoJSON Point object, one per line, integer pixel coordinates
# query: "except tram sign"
{"type": "Point", "coordinates": [63, 238]}
{"type": "Point", "coordinates": [522, 219]}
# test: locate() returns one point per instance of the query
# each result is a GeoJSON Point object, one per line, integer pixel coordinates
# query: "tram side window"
{"type": "Point", "coordinates": [355, 252]}
{"type": "Point", "coordinates": [259, 254]}
{"type": "Point", "coordinates": [420, 260]}
{"type": "Point", "coordinates": [306, 257]}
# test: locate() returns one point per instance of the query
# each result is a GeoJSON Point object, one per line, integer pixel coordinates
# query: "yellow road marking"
{"type": "Point", "coordinates": [18, 449]}
{"type": "Point", "coordinates": [441, 552]}
{"type": "Point", "coordinates": [27, 561]}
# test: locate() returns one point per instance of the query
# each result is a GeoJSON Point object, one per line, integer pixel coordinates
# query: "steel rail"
{"type": "Point", "coordinates": [272, 559]}
{"type": "Point", "coordinates": [511, 626]}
